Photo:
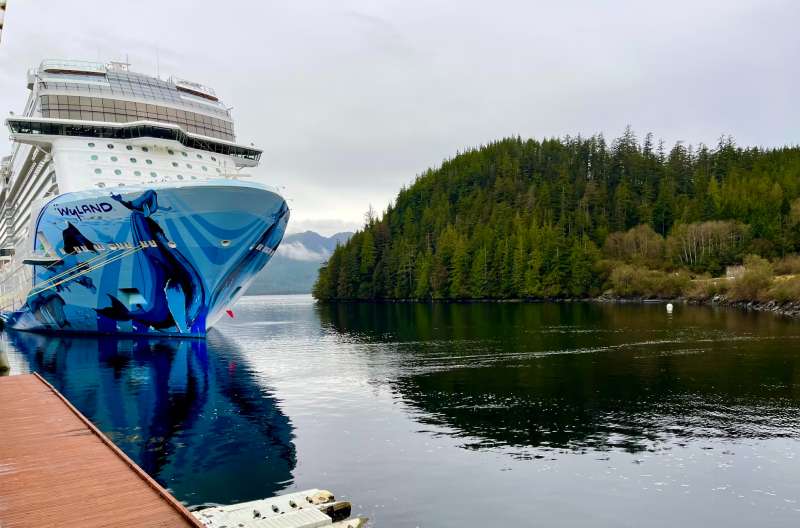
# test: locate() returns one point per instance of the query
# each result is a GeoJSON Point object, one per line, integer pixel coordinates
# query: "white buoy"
{"type": "Point", "coordinates": [669, 308]}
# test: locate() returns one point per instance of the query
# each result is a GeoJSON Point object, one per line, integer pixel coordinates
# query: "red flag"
{"type": "Point", "coordinates": [230, 313]}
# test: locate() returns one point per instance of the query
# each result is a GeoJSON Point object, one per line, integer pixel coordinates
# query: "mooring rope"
{"type": "Point", "coordinates": [115, 258]}
{"type": "Point", "coordinates": [70, 270]}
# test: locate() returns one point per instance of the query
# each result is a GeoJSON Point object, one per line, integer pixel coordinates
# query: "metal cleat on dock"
{"type": "Point", "coordinates": [302, 509]}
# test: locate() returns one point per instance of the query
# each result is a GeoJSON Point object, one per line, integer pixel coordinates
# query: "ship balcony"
{"type": "Point", "coordinates": [41, 131]}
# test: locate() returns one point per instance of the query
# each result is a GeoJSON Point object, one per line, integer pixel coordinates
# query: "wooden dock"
{"type": "Point", "coordinates": [57, 469]}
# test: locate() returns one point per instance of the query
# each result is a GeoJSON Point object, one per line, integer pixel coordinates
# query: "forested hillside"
{"type": "Point", "coordinates": [572, 217]}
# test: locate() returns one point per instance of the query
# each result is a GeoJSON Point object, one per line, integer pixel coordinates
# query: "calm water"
{"type": "Point", "coordinates": [460, 415]}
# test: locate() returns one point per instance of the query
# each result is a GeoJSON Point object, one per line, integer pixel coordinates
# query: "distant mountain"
{"type": "Point", "coordinates": [294, 267]}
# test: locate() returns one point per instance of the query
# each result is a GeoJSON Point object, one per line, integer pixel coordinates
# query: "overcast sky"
{"type": "Point", "coordinates": [350, 100]}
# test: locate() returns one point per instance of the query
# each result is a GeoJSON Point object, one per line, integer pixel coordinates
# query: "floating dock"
{"type": "Point", "coordinates": [303, 509]}
{"type": "Point", "coordinates": [58, 469]}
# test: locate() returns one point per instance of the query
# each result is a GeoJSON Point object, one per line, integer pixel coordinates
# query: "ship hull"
{"type": "Point", "coordinates": [152, 260]}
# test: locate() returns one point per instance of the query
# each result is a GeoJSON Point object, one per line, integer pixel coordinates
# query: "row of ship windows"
{"type": "Point", "coordinates": [137, 173]}
{"type": "Point", "coordinates": [94, 157]}
{"type": "Point", "coordinates": [138, 80]}
{"type": "Point", "coordinates": [147, 149]}
{"type": "Point", "coordinates": [101, 104]}
{"type": "Point", "coordinates": [113, 115]}
{"type": "Point", "coordinates": [220, 132]}
{"type": "Point", "coordinates": [116, 111]}
{"type": "Point", "coordinates": [114, 158]}
{"type": "Point", "coordinates": [137, 88]}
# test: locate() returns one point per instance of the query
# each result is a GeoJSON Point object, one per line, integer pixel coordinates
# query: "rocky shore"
{"type": "Point", "coordinates": [788, 309]}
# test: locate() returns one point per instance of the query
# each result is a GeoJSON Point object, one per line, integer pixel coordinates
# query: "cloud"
{"type": "Point", "coordinates": [297, 251]}
{"type": "Point", "coordinates": [351, 100]}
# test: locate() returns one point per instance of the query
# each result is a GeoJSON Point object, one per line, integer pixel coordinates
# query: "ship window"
{"type": "Point", "coordinates": [154, 174]}
{"type": "Point", "coordinates": [213, 158]}
{"type": "Point", "coordinates": [204, 168]}
{"type": "Point", "coordinates": [133, 160]}
{"type": "Point", "coordinates": [94, 157]}
{"type": "Point", "coordinates": [148, 161]}
{"type": "Point", "coordinates": [145, 149]}
{"type": "Point", "coordinates": [91, 144]}
{"type": "Point", "coordinates": [174, 163]}
{"type": "Point", "coordinates": [100, 184]}
{"type": "Point", "coordinates": [120, 185]}
{"type": "Point", "coordinates": [184, 154]}
{"type": "Point", "coordinates": [114, 158]}
{"type": "Point", "coordinates": [188, 165]}
{"type": "Point", "coordinates": [180, 176]}
{"type": "Point", "coordinates": [199, 156]}
{"type": "Point", "coordinates": [192, 177]}
{"type": "Point", "coordinates": [128, 147]}
{"type": "Point", "coordinates": [171, 152]}
{"type": "Point", "coordinates": [98, 171]}
{"type": "Point", "coordinates": [137, 173]}
{"type": "Point", "coordinates": [117, 172]}
{"type": "Point", "coordinates": [110, 146]}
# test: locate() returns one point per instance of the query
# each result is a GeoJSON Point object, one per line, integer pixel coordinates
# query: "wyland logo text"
{"type": "Point", "coordinates": [84, 209]}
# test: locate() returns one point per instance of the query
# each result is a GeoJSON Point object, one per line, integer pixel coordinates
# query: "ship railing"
{"type": "Point", "coordinates": [58, 65]}
{"type": "Point", "coordinates": [28, 129]}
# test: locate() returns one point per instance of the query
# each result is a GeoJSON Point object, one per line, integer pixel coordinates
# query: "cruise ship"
{"type": "Point", "coordinates": [125, 206]}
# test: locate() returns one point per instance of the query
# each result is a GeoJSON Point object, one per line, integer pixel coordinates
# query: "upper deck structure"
{"type": "Point", "coordinates": [93, 91]}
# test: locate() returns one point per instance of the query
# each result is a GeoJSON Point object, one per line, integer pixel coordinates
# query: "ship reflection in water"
{"type": "Point", "coordinates": [187, 411]}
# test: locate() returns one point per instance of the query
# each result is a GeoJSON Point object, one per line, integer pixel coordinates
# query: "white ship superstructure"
{"type": "Point", "coordinates": [98, 146]}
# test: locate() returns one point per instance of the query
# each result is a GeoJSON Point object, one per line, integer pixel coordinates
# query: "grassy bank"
{"type": "Point", "coordinates": [757, 280]}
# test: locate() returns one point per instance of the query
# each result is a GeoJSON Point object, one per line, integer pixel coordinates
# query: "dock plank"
{"type": "Point", "coordinates": [57, 469]}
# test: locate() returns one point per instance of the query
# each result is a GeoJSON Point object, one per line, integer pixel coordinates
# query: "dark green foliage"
{"type": "Point", "coordinates": [526, 219]}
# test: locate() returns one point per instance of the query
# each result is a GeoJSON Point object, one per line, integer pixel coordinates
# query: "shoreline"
{"type": "Point", "coordinates": [789, 309]}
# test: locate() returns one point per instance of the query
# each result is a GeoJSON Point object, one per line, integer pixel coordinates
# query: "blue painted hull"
{"type": "Point", "coordinates": [155, 260]}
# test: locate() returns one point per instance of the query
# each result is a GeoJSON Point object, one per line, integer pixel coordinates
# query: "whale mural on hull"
{"type": "Point", "coordinates": [153, 261]}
